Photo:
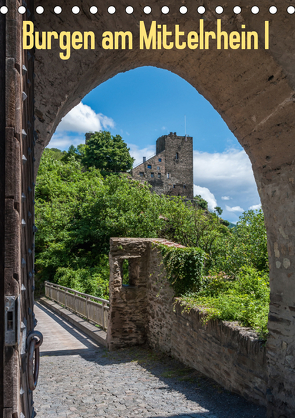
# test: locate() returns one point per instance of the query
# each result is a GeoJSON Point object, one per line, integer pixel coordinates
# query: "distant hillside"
{"type": "Point", "coordinates": [231, 225]}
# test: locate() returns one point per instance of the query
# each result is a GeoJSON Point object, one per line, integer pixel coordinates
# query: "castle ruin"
{"type": "Point", "coordinates": [170, 170]}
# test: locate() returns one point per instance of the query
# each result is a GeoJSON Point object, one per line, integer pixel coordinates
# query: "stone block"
{"type": "Point", "coordinates": [12, 166]}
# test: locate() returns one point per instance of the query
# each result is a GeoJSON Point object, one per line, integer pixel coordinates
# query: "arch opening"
{"type": "Point", "coordinates": [254, 94]}
{"type": "Point", "coordinates": [155, 105]}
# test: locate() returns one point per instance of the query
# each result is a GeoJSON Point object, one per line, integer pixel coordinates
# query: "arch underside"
{"type": "Point", "coordinates": [253, 91]}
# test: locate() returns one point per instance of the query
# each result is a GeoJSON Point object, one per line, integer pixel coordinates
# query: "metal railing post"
{"type": "Point", "coordinates": [103, 321]}
{"type": "Point", "coordinates": [87, 307]}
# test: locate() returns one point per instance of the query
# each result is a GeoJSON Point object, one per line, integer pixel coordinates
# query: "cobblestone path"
{"type": "Point", "coordinates": [78, 378]}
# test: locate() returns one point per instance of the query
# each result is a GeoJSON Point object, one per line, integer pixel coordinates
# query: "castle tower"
{"type": "Point", "coordinates": [170, 171]}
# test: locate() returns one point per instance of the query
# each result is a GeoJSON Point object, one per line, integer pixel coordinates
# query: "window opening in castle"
{"type": "Point", "coordinates": [168, 175]}
{"type": "Point", "coordinates": [176, 156]}
{"type": "Point", "coordinates": [159, 175]}
{"type": "Point", "coordinates": [141, 174]}
{"type": "Point", "coordinates": [149, 166]}
{"type": "Point", "coordinates": [184, 186]}
{"type": "Point", "coordinates": [160, 159]}
{"type": "Point", "coordinates": [152, 174]}
{"type": "Point", "coordinates": [158, 168]}
{"type": "Point", "coordinates": [125, 272]}
{"type": "Point", "coordinates": [173, 186]}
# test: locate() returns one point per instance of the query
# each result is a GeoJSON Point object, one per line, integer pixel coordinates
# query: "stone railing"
{"type": "Point", "coordinates": [92, 308]}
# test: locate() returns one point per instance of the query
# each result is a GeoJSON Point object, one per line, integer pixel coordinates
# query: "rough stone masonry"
{"type": "Point", "coordinates": [170, 171]}
{"type": "Point", "coordinates": [145, 312]}
{"type": "Point", "coordinates": [252, 90]}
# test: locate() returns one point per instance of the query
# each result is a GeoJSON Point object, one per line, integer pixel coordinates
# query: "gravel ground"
{"type": "Point", "coordinates": [78, 378]}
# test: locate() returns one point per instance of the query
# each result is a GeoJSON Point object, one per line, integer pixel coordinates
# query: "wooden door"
{"type": "Point", "coordinates": [17, 229]}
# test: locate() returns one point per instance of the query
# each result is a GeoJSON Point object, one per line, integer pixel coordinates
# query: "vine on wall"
{"type": "Point", "coordinates": [184, 268]}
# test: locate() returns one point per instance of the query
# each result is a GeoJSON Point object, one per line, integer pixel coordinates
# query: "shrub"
{"type": "Point", "coordinates": [244, 299]}
{"type": "Point", "coordinates": [184, 267]}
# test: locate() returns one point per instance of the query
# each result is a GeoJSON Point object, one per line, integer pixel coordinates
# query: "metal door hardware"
{"type": "Point", "coordinates": [34, 341]}
{"type": "Point", "coordinates": [11, 319]}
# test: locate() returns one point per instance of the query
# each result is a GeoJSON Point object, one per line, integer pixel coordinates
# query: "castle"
{"type": "Point", "coordinates": [170, 170]}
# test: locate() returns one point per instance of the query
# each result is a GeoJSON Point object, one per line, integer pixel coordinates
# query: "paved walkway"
{"type": "Point", "coordinates": [79, 378]}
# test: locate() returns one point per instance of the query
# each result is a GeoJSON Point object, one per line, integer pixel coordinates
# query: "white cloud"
{"type": "Point", "coordinates": [234, 208]}
{"type": "Point", "coordinates": [225, 197]}
{"type": "Point", "coordinates": [231, 168]}
{"type": "Point", "coordinates": [62, 141]}
{"type": "Point", "coordinates": [255, 207]}
{"type": "Point", "coordinates": [83, 119]}
{"type": "Point", "coordinates": [207, 195]}
{"type": "Point", "coordinates": [137, 153]}
{"type": "Point", "coordinates": [227, 174]}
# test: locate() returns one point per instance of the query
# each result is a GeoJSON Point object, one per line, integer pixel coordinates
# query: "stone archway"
{"type": "Point", "coordinates": [254, 93]}
{"type": "Point", "coordinates": [253, 90]}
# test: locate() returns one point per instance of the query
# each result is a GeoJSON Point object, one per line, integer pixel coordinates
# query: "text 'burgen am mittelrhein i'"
{"type": "Point", "coordinates": [155, 37]}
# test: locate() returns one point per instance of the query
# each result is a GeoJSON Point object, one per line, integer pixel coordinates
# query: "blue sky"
{"type": "Point", "coordinates": [147, 102]}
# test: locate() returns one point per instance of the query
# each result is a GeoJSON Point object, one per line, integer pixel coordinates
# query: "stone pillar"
{"type": "Point", "coordinates": [128, 303]}
{"type": "Point", "coordinates": [277, 189]}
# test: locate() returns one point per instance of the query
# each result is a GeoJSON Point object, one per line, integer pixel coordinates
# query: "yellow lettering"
{"type": "Point", "coordinates": [28, 34]}
{"type": "Point", "coordinates": [108, 40]}
{"type": "Point", "coordinates": [123, 36]}
{"type": "Point", "coordinates": [65, 44]}
{"type": "Point", "coordinates": [221, 33]}
{"type": "Point", "coordinates": [266, 37]}
{"type": "Point", "coordinates": [165, 34]}
{"type": "Point", "coordinates": [243, 38]}
{"type": "Point", "coordinates": [207, 38]}
{"type": "Point", "coordinates": [159, 37]}
{"type": "Point", "coordinates": [145, 40]}
{"type": "Point", "coordinates": [177, 35]}
{"type": "Point", "coordinates": [201, 34]}
{"type": "Point", "coordinates": [92, 39]}
{"type": "Point", "coordinates": [234, 40]}
{"type": "Point", "coordinates": [49, 36]}
{"type": "Point", "coordinates": [77, 40]}
{"type": "Point", "coordinates": [37, 40]}
{"type": "Point", "coordinates": [249, 41]}
{"type": "Point", "coordinates": [192, 40]}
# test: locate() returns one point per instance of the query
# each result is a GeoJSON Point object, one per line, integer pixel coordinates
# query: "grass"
{"type": "Point", "coordinates": [244, 299]}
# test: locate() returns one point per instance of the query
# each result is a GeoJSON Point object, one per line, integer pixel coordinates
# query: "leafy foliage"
{"type": "Point", "coordinates": [108, 153]}
{"type": "Point", "coordinates": [246, 245]}
{"type": "Point", "coordinates": [244, 299]}
{"type": "Point", "coordinates": [218, 210]}
{"type": "Point", "coordinates": [78, 210]}
{"type": "Point", "coordinates": [184, 267]}
{"type": "Point", "coordinates": [202, 203]}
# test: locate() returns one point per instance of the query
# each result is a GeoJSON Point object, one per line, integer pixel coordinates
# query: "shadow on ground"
{"type": "Point", "coordinates": [174, 376]}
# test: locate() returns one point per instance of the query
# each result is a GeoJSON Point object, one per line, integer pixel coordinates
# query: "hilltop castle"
{"type": "Point", "coordinates": [170, 170]}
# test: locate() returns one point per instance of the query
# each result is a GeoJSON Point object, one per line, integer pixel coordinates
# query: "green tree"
{"type": "Point", "coordinates": [108, 153]}
{"type": "Point", "coordinates": [202, 203]}
{"type": "Point", "coordinates": [78, 210]}
{"type": "Point", "coordinates": [218, 210]}
{"type": "Point", "coordinates": [55, 153]}
{"type": "Point", "coordinates": [76, 153]}
{"type": "Point", "coordinates": [245, 246]}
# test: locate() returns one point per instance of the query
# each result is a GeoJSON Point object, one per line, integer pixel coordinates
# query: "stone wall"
{"type": "Point", "coordinates": [155, 175]}
{"type": "Point", "coordinates": [252, 90]}
{"type": "Point", "coordinates": [170, 171]}
{"type": "Point", "coordinates": [146, 312]}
